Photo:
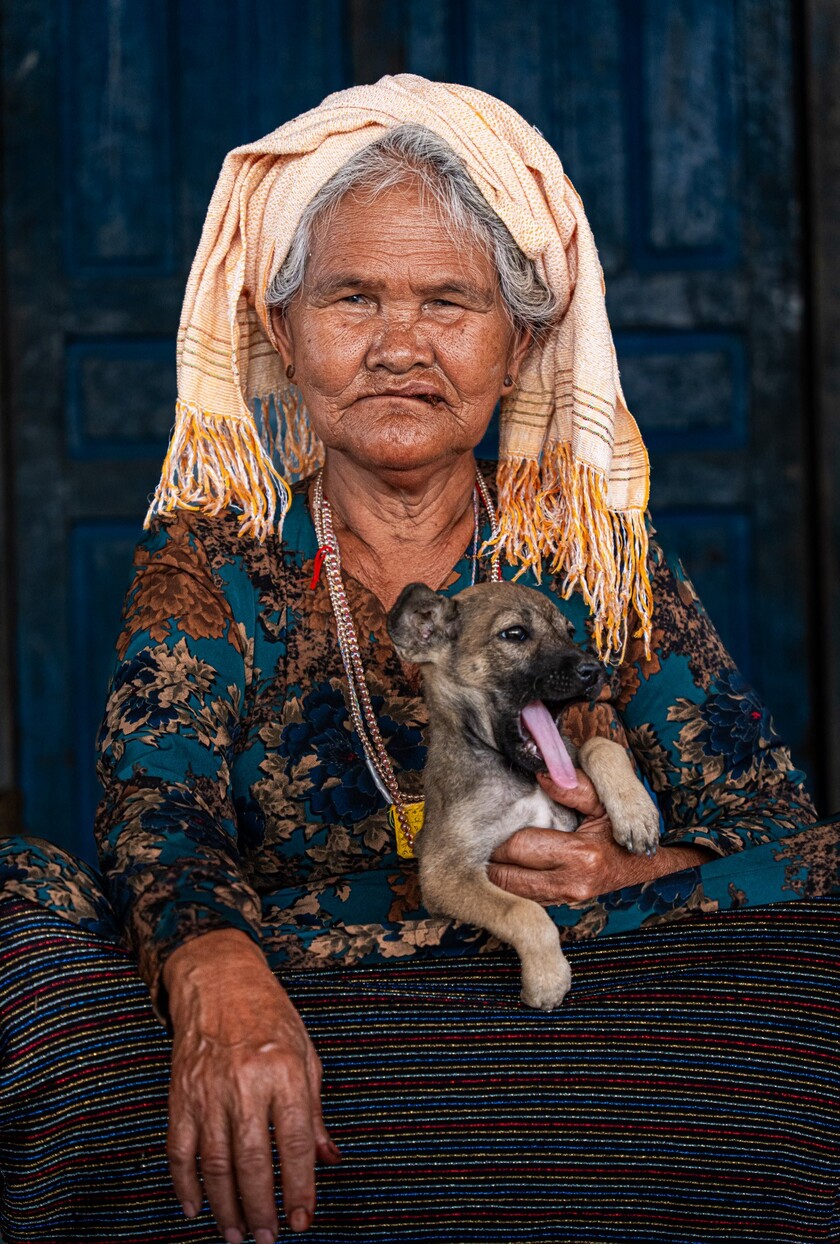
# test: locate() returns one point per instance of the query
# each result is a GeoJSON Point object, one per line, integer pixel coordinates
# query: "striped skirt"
{"type": "Point", "coordinates": [687, 1091]}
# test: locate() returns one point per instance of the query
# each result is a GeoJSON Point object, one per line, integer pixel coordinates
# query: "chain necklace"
{"type": "Point", "coordinates": [405, 811]}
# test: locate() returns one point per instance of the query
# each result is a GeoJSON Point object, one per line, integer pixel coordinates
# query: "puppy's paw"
{"type": "Point", "coordinates": [636, 822]}
{"type": "Point", "coordinates": [546, 988]}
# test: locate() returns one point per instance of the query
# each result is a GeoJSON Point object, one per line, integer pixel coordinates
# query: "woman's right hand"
{"type": "Point", "coordinates": [241, 1059]}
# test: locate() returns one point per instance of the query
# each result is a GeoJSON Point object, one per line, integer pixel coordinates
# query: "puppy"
{"type": "Point", "coordinates": [498, 665]}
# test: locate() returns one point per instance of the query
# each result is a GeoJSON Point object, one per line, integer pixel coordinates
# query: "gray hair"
{"type": "Point", "coordinates": [414, 151]}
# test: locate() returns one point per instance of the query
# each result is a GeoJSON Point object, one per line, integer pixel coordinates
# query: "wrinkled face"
{"type": "Point", "coordinates": [491, 651]}
{"type": "Point", "coordinates": [399, 338]}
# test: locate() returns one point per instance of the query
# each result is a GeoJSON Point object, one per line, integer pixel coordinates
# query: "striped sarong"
{"type": "Point", "coordinates": [687, 1091]}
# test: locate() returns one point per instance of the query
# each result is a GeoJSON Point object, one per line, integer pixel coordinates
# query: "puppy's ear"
{"type": "Point", "coordinates": [423, 624]}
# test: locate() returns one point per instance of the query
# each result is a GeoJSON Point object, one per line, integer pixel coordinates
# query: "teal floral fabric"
{"type": "Point", "coordinates": [236, 792]}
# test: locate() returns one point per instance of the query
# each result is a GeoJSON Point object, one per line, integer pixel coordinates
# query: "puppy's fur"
{"type": "Point", "coordinates": [485, 654]}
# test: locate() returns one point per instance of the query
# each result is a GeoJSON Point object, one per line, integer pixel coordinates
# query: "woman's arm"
{"type": "Point", "coordinates": [166, 825]}
{"type": "Point", "coordinates": [552, 867]}
{"type": "Point", "coordinates": [170, 851]}
{"type": "Point", "coordinates": [704, 743]}
{"type": "Point", "coordinates": [241, 1056]}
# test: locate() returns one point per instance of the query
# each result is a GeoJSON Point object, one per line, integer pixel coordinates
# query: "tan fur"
{"type": "Point", "coordinates": [476, 796]}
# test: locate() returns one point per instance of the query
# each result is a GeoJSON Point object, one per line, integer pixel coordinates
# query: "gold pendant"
{"type": "Point", "coordinates": [414, 816]}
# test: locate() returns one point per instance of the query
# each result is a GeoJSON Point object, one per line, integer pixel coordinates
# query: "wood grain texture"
{"type": "Point", "coordinates": [116, 76]}
{"type": "Point", "coordinates": [822, 119]}
{"type": "Point", "coordinates": [10, 798]}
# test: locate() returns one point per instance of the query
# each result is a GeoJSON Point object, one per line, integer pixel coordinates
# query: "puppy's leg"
{"type": "Point", "coordinates": [469, 895]}
{"type": "Point", "coordinates": [634, 815]}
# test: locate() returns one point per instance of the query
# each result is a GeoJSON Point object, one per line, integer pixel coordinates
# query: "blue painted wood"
{"type": "Point", "coordinates": [716, 551]}
{"type": "Point", "coordinates": [680, 96]}
{"type": "Point", "coordinates": [291, 56]}
{"type": "Point", "coordinates": [507, 47]}
{"type": "Point", "coordinates": [687, 390]}
{"type": "Point", "coordinates": [211, 116]}
{"type": "Point", "coordinates": [436, 40]}
{"type": "Point", "coordinates": [100, 562]}
{"type": "Point", "coordinates": [116, 156]}
{"type": "Point", "coordinates": [588, 124]}
{"type": "Point", "coordinates": [689, 169]}
{"type": "Point", "coordinates": [119, 397]}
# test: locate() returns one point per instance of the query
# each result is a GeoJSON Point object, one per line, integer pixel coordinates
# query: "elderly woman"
{"type": "Point", "coordinates": [380, 273]}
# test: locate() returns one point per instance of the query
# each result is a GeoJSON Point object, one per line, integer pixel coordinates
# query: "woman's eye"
{"type": "Point", "coordinates": [514, 634]}
{"type": "Point", "coordinates": [355, 300]}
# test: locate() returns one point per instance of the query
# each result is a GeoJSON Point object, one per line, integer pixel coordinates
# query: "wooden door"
{"type": "Point", "coordinates": [674, 119]}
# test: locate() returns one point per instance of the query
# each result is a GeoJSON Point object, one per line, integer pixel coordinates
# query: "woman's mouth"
{"type": "Point", "coordinates": [416, 395]}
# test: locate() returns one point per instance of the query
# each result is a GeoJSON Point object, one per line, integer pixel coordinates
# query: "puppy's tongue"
{"type": "Point", "coordinates": [541, 726]}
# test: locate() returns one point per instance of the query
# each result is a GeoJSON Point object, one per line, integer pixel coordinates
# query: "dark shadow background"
{"type": "Point", "coordinates": [704, 138]}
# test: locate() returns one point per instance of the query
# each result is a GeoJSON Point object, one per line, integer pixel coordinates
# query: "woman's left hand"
{"type": "Point", "coordinates": [553, 867]}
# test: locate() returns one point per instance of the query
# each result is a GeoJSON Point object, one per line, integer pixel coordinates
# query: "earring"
{"type": "Point", "coordinates": [508, 380]}
{"type": "Point", "coordinates": [290, 371]}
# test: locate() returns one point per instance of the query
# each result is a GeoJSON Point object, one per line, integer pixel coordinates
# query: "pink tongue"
{"type": "Point", "coordinates": [540, 725]}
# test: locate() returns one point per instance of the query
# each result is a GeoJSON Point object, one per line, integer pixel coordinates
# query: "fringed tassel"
{"type": "Point", "coordinates": [288, 438]}
{"type": "Point", "coordinates": [216, 461]}
{"type": "Point", "coordinates": [561, 510]}
{"type": "Point", "coordinates": [302, 451]}
{"type": "Point", "coordinates": [519, 539]}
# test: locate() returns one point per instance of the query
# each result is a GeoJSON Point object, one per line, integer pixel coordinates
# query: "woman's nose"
{"type": "Point", "coordinates": [399, 344]}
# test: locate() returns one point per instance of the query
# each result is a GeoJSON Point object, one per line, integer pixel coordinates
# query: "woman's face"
{"type": "Point", "coordinates": [399, 336]}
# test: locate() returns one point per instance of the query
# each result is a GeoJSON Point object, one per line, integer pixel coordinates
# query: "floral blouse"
{"type": "Point", "coordinates": [236, 791]}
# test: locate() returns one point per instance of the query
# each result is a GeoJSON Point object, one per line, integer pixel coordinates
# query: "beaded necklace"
{"type": "Point", "coordinates": [405, 811]}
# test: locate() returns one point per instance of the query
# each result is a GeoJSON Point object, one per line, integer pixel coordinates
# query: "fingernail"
{"type": "Point", "coordinates": [190, 1210]}
{"type": "Point", "coordinates": [334, 1151]}
{"type": "Point", "coordinates": [233, 1236]}
{"type": "Point", "coordinates": [264, 1236]}
{"type": "Point", "coordinates": [299, 1220]}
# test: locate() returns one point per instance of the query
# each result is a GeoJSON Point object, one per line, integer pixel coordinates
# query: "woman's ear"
{"type": "Point", "coordinates": [521, 345]}
{"type": "Point", "coordinates": [282, 333]}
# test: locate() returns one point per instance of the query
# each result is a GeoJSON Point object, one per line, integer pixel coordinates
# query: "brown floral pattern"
{"type": "Point", "coordinates": [172, 586]}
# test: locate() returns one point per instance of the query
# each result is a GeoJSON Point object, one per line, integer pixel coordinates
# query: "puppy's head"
{"type": "Point", "coordinates": [492, 653]}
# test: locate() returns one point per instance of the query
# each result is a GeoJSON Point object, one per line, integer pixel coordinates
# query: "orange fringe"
{"type": "Point", "coordinates": [556, 512]}
{"type": "Point", "coordinates": [520, 538]}
{"type": "Point", "coordinates": [559, 513]}
{"type": "Point", "coordinates": [203, 470]}
{"type": "Point", "coordinates": [302, 451]}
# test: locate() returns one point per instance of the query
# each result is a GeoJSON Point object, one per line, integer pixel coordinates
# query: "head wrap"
{"type": "Point", "coordinates": [573, 471]}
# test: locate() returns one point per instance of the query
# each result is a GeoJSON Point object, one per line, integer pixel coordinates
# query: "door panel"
{"type": "Point", "coordinates": [100, 573]}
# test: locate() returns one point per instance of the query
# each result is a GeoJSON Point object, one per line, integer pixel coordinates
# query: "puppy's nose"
{"type": "Point", "coordinates": [589, 672]}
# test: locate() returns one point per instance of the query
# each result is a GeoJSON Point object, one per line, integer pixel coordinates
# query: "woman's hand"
{"type": "Point", "coordinates": [241, 1059]}
{"type": "Point", "coordinates": [553, 867]}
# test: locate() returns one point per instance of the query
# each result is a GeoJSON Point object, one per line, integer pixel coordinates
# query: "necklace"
{"type": "Point", "coordinates": [405, 811]}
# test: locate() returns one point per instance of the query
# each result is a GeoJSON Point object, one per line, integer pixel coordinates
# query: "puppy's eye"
{"type": "Point", "coordinates": [514, 634]}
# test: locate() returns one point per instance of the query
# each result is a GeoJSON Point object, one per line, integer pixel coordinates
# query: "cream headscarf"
{"type": "Point", "coordinates": [573, 471]}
